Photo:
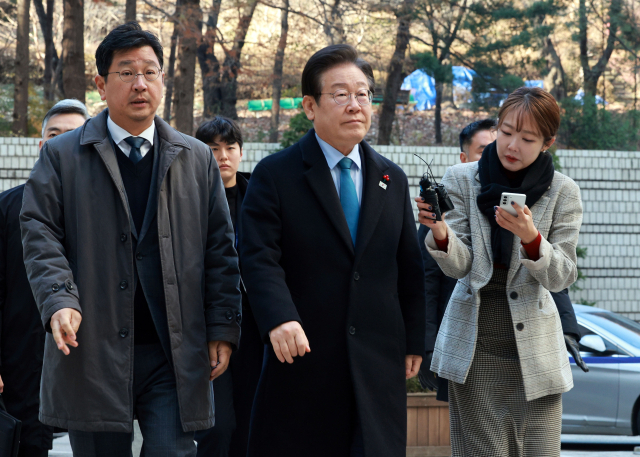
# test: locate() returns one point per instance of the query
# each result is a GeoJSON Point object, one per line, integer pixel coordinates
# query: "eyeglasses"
{"type": "Point", "coordinates": [151, 73]}
{"type": "Point", "coordinates": [342, 97]}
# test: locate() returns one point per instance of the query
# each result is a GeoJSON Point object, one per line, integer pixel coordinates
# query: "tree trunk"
{"type": "Point", "coordinates": [333, 27]}
{"type": "Point", "coordinates": [170, 69]}
{"type": "Point", "coordinates": [592, 74]}
{"type": "Point", "coordinates": [209, 65]}
{"type": "Point", "coordinates": [394, 75]}
{"type": "Point", "coordinates": [73, 79]}
{"type": "Point", "coordinates": [189, 18]}
{"type": "Point", "coordinates": [130, 11]}
{"type": "Point", "coordinates": [277, 73]}
{"type": "Point", "coordinates": [437, 122]}
{"type": "Point", "coordinates": [555, 79]}
{"type": "Point", "coordinates": [50, 53]}
{"type": "Point", "coordinates": [231, 66]}
{"type": "Point", "coordinates": [21, 79]}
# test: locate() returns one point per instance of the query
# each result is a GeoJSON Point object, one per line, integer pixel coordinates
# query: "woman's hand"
{"type": "Point", "coordinates": [428, 218]}
{"type": "Point", "coordinates": [521, 226]}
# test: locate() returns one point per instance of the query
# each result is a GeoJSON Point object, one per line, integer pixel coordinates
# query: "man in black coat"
{"type": "Point", "coordinates": [473, 139]}
{"type": "Point", "coordinates": [21, 332]}
{"type": "Point", "coordinates": [332, 266]}
{"type": "Point", "coordinates": [236, 387]}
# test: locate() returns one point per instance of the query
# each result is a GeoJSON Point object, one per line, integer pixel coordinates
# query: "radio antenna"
{"type": "Point", "coordinates": [429, 173]}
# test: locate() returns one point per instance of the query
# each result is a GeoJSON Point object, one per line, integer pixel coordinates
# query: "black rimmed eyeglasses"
{"type": "Point", "coordinates": [151, 73]}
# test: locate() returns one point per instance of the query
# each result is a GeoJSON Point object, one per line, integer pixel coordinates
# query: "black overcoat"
{"type": "Point", "coordinates": [21, 331]}
{"type": "Point", "coordinates": [362, 309]}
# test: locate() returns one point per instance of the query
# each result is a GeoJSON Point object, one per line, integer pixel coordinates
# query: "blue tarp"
{"type": "Point", "coordinates": [535, 83]}
{"type": "Point", "coordinates": [580, 95]}
{"type": "Point", "coordinates": [423, 86]}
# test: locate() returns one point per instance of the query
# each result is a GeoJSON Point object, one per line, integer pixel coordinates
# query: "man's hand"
{"type": "Point", "coordinates": [289, 341]}
{"type": "Point", "coordinates": [574, 349]}
{"type": "Point", "coordinates": [219, 356]}
{"type": "Point", "coordinates": [1, 385]}
{"type": "Point", "coordinates": [64, 325]}
{"type": "Point", "coordinates": [412, 365]}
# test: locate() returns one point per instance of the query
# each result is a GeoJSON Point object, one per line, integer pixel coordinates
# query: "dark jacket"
{"type": "Point", "coordinates": [362, 309]}
{"type": "Point", "coordinates": [76, 233]}
{"type": "Point", "coordinates": [21, 332]}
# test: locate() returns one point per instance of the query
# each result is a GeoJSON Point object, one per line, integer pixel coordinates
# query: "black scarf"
{"type": "Point", "coordinates": [533, 181]}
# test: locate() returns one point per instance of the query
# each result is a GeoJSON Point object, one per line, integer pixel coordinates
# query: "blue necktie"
{"type": "Point", "coordinates": [349, 197]}
{"type": "Point", "coordinates": [135, 142]}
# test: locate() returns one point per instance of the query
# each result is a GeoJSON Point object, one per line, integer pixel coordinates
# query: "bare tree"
{"type": "Point", "coordinates": [394, 74]}
{"type": "Point", "coordinates": [592, 74]}
{"type": "Point", "coordinates": [130, 11]}
{"type": "Point", "coordinates": [209, 65]}
{"type": "Point", "coordinates": [21, 79]}
{"type": "Point", "coordinates": [277, 73]}
{"type": "Point", "coordinates": [231, 66]}
{"type": "Point", "coordinates": [171, 67]}
{"type": "Point", "coordinates": [190, 18]}
{"type": "Point", "coordinates": [50, 54]}
{"type": "Point", "coordinates": [333, 25]}
{"type": "Point", "coordinates": [73, 78]}
{"type": "Point", "coordinates": [555, 80]}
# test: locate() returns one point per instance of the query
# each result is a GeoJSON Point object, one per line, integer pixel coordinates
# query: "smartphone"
{"type": "Point", "coordinates": [508, 197]}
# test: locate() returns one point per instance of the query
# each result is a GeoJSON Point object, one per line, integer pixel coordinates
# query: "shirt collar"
{"type": "Point", "coordinates": [119, 134]}
{"type": "Point", "coordinates": [334, 156]}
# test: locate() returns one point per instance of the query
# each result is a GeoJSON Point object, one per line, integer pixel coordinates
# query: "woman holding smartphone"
{"type": "Point", "coordinates": [501, 344]}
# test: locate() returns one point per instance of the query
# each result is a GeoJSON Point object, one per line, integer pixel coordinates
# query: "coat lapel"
{"type": "Point", "coordinates": [373, 197]}
{"type": "Point", "coordinates": [485, 226]}
{"type": "Point", "coordinates": [319, 178]}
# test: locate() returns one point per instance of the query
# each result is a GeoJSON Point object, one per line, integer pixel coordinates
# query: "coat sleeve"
{"type": "Point", "coordinates": [432, 279]}
{"type": "Point", "coordinates": [411, 288]}
{"type": "Point", "coordinates": [223, 301]}
{"type": "Point", "coordinates": [567, 314]}
{"type": "Point", "coordinates": [3, 270]}
{"type": "Point", "coordinates": [43, 234]}
{"type": "Point", "coordinates": [456, 262]}
{"type": "Point", "coordinates": [260, 234]}
{"type": "Point", "coordinates": [557, 268]}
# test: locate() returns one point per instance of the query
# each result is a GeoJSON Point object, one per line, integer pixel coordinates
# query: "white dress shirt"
{"type": "Point", "coordinates": [119, 134]}
{"type": "Point", "coordinates": [334, 156]}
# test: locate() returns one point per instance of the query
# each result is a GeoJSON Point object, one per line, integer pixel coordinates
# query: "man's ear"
{"type": "Point", "coordinates": [100, 82]}
{"type": "Point", "coordinates": [463, 157]}
{"type": "Point", "coordinates": [241, 154]}
{"type": "Point", "coordinates": [309, 105]}
{"type": "Point", "coordinates": [40, 144]}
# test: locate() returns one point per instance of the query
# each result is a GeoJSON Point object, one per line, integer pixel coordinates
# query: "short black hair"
{"type": "Point", "coordinates": [66, 106]}
{"type": "Point", "coordinates": [220, 126]}
{"type": "Point", "coordinates": [123, 37]}
{"type": "Point", "coordinates": [327, 58]}
{"type": "Point", "coordinates": [470, 130]}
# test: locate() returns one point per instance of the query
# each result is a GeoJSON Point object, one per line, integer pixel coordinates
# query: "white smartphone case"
{"type": "Point", "coordinates": [507, 198]}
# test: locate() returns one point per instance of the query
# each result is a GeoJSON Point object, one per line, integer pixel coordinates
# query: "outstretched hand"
{"type": "Point", "coordinates": [520, 225]}
{"type": "Point", "coordinates": [64, 325]}
{"type": "Point", "coordinates": [289, 341]}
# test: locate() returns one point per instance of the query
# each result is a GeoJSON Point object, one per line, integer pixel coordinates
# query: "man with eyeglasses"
{"type": "Point", "coordinates": [334, 277]}
{"type": "Point", "coordinates": [128, 247]}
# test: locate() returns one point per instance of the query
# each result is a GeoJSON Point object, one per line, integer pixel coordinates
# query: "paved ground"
{"type": "Point", "coordinates": [572, 446]}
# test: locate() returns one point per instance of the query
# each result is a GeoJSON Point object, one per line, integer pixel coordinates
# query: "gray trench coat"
{"type": "Point", "coordinates": [76, 233]}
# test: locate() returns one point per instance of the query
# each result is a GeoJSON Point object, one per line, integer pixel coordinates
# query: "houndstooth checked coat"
{"type": "Point", "coordinates": [541, 348]}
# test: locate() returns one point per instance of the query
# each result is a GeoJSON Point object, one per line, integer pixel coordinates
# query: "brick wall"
{"type": "Point", "coordinates": [609, 180]}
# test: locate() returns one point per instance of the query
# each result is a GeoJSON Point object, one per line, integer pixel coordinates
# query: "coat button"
{"type": "Point", "coordinates": [123, 237]}
{"type": "Point", "coordinates": [124, 331]}
{"type": "Point", "coordinates": [352, 330]}
{"type": "Point", "coordinates": [238, 318]}
{"type": "Point", "coordinates": [124, 285]}
{"type": "Point", "coordinates": [55, 287]}
{"type": "Point", "coordinates": [514, 295]}
{"type": "Point", "coordinates": [69, 285]}
{"type": "Point", "coordinates": [520, 326]}
{"type": "Point", "coordinates": [356, 276]}
{"type": "Point", "coordinates": [139, 256]}
{"type": "Point", "coordinates": [228, 315]}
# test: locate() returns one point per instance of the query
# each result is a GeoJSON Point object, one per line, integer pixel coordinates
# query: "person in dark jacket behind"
{"type": "Point", "coordinates": [21, 331]}
{"type": "Point", "coordinates": [236, 388]}
{"type": "Point", "coordinates": [473, 139]}
{"type": "Point", "coordinates": [129, 250]}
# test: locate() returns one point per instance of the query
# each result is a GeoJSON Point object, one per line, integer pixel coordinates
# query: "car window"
{"type": "Point", "coordinates": [623, 327]}
{"type": "Point", "coordinates": [611, 349]}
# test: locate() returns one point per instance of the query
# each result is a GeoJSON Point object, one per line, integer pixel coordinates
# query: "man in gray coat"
{"type": "Point", "coordinates": [128, 247]}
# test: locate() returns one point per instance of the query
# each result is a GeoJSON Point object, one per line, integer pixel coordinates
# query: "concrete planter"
{"type": "Point", "coordinates": [427, 426]}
